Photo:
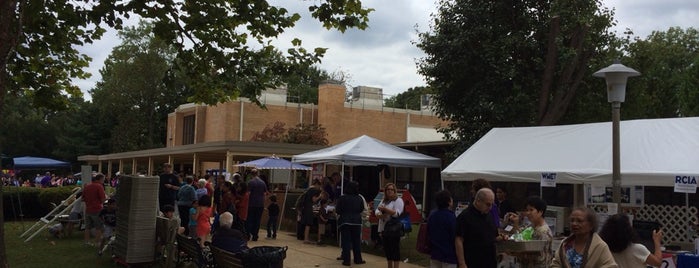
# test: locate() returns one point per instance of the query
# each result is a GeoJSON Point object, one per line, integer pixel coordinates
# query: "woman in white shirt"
{"type": "Point", "coordinates": [391, 206]}
{"type": "Point", "coordinates": [622, 240]}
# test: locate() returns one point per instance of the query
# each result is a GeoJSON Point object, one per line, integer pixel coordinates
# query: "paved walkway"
{"type": "Point", "coordinates": [306, 255]}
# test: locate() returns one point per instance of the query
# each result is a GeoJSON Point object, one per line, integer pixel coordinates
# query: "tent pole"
{"type": "Point", "coordinates": [286, 196]}
{"type": "Point", "coordinates": [541, 191]}
{"type": "Point", "coordinates": [689, 217]}
{"type": "Point", "coordinates": [342, 192]}
{"type": "Point", "coordinates": [424, 192]}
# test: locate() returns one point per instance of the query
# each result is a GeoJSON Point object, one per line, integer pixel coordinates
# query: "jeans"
{"type": "Point", "coordinates": [351, 239]}
{"type": "Point", "coordinates": [272, 226]}
{"type": "Point", "coordinates": [184, 217]}
{"type": "Point", "coordinates": [253, 221]}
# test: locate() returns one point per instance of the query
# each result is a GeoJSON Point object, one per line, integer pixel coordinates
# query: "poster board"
{"type": "Point", "coordinates": [632, 196]}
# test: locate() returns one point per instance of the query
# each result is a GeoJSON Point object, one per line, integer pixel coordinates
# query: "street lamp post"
{"type": "Point", "coordinates": [616, 76]}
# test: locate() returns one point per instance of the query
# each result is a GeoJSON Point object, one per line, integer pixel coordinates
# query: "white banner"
{"type": "Point", "coordinates": [685, 184]}
{"type": "Point", "coordinates": [548, 179]}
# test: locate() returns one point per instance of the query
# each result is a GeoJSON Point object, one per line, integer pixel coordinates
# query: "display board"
{"type": "Point", "coordinates": [601, 195]}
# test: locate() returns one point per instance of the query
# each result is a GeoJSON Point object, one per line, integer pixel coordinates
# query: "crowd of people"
{"type": "Point", "coordinates": [466, 240]}
{"type": "Point", "coordinates": [45, 180]}
{"type": "Point", "coordinates": [236, 205]}
{"type": "Point", "coordinates": [469, 239]}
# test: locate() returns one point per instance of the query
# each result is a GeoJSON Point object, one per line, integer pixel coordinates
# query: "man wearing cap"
{"type": "Point", "coordinates": [168, 187]}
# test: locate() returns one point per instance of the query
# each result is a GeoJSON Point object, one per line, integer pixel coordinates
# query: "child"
{"type": "Point", "coordinates": [322, 219]}
{"type": "Point", "coordinates": [273, 211]}
{"type": "Point", "coordinates": [169, 212]}
{"type": "Point", "coordinates": [108, 217]}
{"type": "Point", "coordinates": [56, 230]}
{"type": "Point", "coordinates": [193, 214]}
{"type": "Point", "coordinates": [204, 213]}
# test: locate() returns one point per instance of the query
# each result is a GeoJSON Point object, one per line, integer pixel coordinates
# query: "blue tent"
{"type": "Point", "coordinates": [27, 162]}
{"type": "Point", "coordinates": [273, 163]}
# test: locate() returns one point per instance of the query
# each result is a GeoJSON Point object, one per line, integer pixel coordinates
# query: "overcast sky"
{"type": "Point", "coordinates": [384, 54]}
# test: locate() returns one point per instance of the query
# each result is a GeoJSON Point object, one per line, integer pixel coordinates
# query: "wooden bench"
{"type": "Point", "coordinates": [192, 250]}
{"type": "Point", "coordinates": [226, 259]}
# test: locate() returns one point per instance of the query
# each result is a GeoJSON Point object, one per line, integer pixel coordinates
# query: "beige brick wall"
{"type": "Point", "coordinates": [342, 121]}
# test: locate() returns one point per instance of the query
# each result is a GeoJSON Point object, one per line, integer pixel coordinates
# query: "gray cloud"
{"type": "Point", "coordinates": [384, 56]}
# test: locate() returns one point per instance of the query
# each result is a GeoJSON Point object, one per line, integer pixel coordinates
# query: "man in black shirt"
{"type": "Point", "coordinates": [476, 233]}
{"type": "Point", "coordinates": [168, 187]}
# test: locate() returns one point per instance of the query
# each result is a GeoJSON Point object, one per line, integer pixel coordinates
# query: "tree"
{"type": "Point", "coordinates": [511, 63]}
{"type": "Point", "coordinates": [136, 92]}
{"type": "Point", "coordinates": [669, 82]}
{"type": "Point", "coordinates": [25, 128]}
{"type": "Point", "coordinates": [271, 133]}
{"type": "Point", "coordinates": [409, 99]}
{"type": "Point", "coordinates": [303, 83]}
{"type": "Point", "coordinates": [307, 134]}
{"type": "Point", "coordinates": [300, 134]}
{"type": "Point", "coordinates": [223, 47]}
{"type": "Point", "coordinates": [75, 131]}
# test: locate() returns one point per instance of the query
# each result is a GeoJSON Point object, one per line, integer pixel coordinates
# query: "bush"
{"type": "Point", "coordinates": [31, 202]}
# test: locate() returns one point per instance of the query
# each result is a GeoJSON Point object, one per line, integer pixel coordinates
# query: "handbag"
{"type": "Point", "coordinates": [423, 240]}
{"type": "Point", "coordinates": [393, 228]}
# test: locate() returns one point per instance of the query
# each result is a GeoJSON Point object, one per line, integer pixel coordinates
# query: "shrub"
{"type": "Point", "coordinates": [30, 202]}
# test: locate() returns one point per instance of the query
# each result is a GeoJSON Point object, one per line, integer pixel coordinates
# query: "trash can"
{"type": "Point", "coordinates": [264, 257]}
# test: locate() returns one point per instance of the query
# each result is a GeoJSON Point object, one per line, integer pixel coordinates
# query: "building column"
{"type": "Point", "coordinates": [229, 161]}
{"type": "Point", "coordinates": [109, 168]}
{"type": "Point", "coordinates": [150, 166]}
{"type": "Point", "coordinates": [121, 165]}
{"type": "Point", "coordinates": [133, 166]}
{"type": "Point", "coordinates": [195, 160]}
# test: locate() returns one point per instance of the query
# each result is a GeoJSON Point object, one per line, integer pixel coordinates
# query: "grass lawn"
{"type": "Point", "coordinates": [46, 251]}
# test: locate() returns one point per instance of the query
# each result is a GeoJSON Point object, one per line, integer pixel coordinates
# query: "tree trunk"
{"type": "Point", "coordinates": [549, 67]}
{"type": "Point", "coordinates": [568, 81]}
{"type": "Point", "coordinates": [3, 254]}
{"type": "Point", "coordinates": [10, 29]}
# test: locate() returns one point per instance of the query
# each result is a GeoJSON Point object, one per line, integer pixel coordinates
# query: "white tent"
{"type": "Point", "coordinates": [367, 151]}
{"type": "Point", "coordinates": [653, 152]}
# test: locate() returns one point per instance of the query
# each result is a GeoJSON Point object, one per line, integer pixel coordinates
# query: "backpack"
{"type": "Point", "coordinates": [423, 240]}
{"type": "Point", "coordinates": [393, 228]}
{"type": "Point", "coordinates": [398, 226]}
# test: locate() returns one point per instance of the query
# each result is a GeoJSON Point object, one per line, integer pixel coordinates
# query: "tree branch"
{"type": "Point", "coordinates": [549, 68]}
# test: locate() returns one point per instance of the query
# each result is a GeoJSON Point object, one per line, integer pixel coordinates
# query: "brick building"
{"type": "Point", "coordinates": [202, 137]}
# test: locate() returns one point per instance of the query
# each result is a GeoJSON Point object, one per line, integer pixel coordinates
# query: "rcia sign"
{"type": "Point", "coordinates": [685, 184]}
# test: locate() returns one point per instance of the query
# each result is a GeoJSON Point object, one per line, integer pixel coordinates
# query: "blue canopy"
{"type": "Point", "coordinates": [273, 163]}
{"type": "Point", "coordinates": [26, 162]}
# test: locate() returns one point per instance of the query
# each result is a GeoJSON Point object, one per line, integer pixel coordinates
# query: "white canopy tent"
{"type": "Point", "coordinates": [367, 151]}
{"type": "Point", "coordinates": [653, 152]}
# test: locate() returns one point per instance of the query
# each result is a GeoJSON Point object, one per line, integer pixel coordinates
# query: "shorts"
{"type": "Point", "coordinates": [202, 230]}
{"type": "Point", "coordinates": [93, 221]}
{"type": "Point", "coordinates": [108, 231]}
{"type": "Point", "coordinates": [75, 216]}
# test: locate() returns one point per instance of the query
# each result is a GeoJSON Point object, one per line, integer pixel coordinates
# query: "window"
{"type": "Point", "coordinates": [188, 130]}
